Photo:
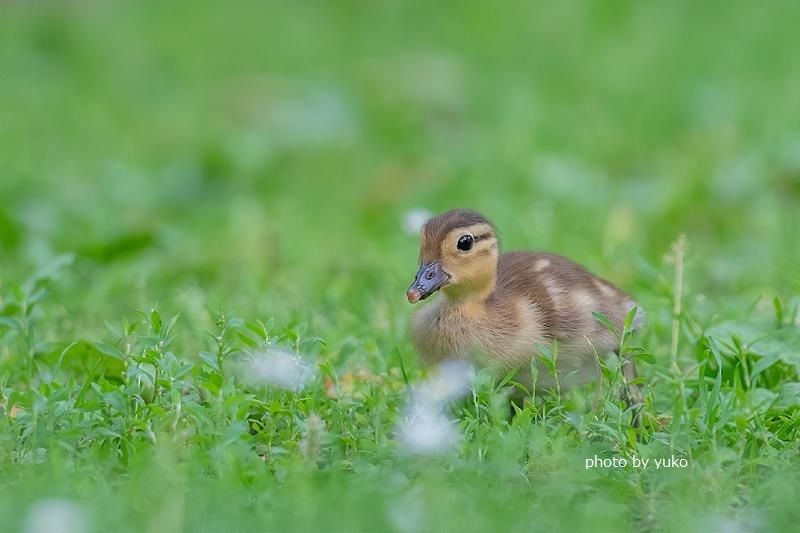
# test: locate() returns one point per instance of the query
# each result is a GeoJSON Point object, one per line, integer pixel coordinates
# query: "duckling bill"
{"type": "Point", "coordinates": [503, 305]}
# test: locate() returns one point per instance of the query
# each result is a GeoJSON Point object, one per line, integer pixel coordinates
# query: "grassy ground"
{"type": "Point", "coordinates": [182, 187]}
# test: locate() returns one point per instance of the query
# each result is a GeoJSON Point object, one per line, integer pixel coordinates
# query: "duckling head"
{"type": "Point", "coordinates": [458, 254]}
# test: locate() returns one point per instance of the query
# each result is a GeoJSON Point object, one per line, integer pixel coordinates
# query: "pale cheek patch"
{"type": "Point", "coordinates": [486, 248]}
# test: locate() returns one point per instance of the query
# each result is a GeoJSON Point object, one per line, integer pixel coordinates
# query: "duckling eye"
{"type": "Point", "coordinates": [465, 243]}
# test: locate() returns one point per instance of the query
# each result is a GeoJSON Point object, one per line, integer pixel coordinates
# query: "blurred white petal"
{"type": "Point", "coordinates": [448, 382]}
{"type": "Point", "coordinates": [427, 431]}
{"type": "Point", "coordinates": [54, 516]}
{"type": "Point", "coordinates": [414, 219]}
{"type": "Point", "coordinates": [722, 524]}
{"type": "Point", "coordinates": [425, 428]}
{"type": "Point", "coordinates": [407, 511]}
{"type": "Point", "coordinates": [280, 368]}
{"type": "Point", "coordinates": [311, 444]}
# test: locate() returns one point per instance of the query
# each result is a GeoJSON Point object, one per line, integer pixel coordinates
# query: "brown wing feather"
{"type": "Point", "coordinates": [563, 291]}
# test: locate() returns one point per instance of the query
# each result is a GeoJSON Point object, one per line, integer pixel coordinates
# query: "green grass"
{"type": "Point", "coordinates": [181, 186]}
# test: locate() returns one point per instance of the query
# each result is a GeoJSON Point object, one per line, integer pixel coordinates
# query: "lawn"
{"type": "Point", "coordinates": [197, 200]}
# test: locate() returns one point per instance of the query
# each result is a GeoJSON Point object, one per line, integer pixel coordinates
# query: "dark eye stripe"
{"type": "Point", "coordinates": [481, 237]}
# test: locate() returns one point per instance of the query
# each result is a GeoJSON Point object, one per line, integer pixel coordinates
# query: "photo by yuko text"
{"type": "Point", "coordinates": [636, 462]}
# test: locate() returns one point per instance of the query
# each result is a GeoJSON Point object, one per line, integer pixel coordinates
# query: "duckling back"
{"type": "Point", "coordinates": [564, 292]}
{"type": "Point", "coordinates": [562, 296]}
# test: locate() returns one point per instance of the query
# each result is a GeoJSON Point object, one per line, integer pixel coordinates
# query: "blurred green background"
{"type": "Point", "coordinates": [266, 152]}
{"type": "Point", "coordinates": [261, 157]}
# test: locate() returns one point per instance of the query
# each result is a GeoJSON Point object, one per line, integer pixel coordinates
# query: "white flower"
{"type": "Point", "coordinates": [447, 383]}
{"type": "Point", "coordinates": [427, 431]}
{"type": "Point", "coordinates": [414, 219]}
{"type": "Point", "coordinates": [54, 516]}
{"type": "Point", "coordinates": [280, 368]}
{"type": "Point", "coordinates": [407, 510]}
{"type": "Point", "coordinates": [425, 428]}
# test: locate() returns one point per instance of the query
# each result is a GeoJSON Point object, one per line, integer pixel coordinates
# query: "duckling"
{"type": "Point", "coordinates": [503, 305]}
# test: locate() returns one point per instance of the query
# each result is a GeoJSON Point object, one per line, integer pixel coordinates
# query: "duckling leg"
{"type": "Point", "coordinates": [632, 392]}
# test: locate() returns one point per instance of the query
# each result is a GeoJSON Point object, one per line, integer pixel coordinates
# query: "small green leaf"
{"type": "Point", "coordinates": [402, 365]}
{"type": "Point", "coordinates": [246, 339]}
{"type": "Point", "coordinates": [508, 377]}
{"type": "Point", "coordinates": [109, 350]}
{"type": "Point", "coordinates": [764, 363]}
{"type": "Point", "coordinates": [234, 323]}
{"type": "Point", "coordinates": [183, 370]}
{"type": "Point", "coordinates": [630, 317]}
{"type": "Point", "coordinates": [642, 354]}
{"type": "Point", "coordinates": [9, 323]}
{"type": "Point", "coordinates": [548, 362]}
{"type": "Point", "coordinates": [155, 321]}
{"type": "Point", "coordinates": [210, 359]}
{"type": "Point", "coordinates": [603, 319]}
{"type": "Point", "coordinates": [789, 395]}
{"type": "Point", "coordinates": [778, 310]}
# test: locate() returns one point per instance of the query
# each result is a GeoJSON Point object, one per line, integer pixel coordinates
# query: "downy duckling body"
{"type": "Point", "coordinates": [500, 306]}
